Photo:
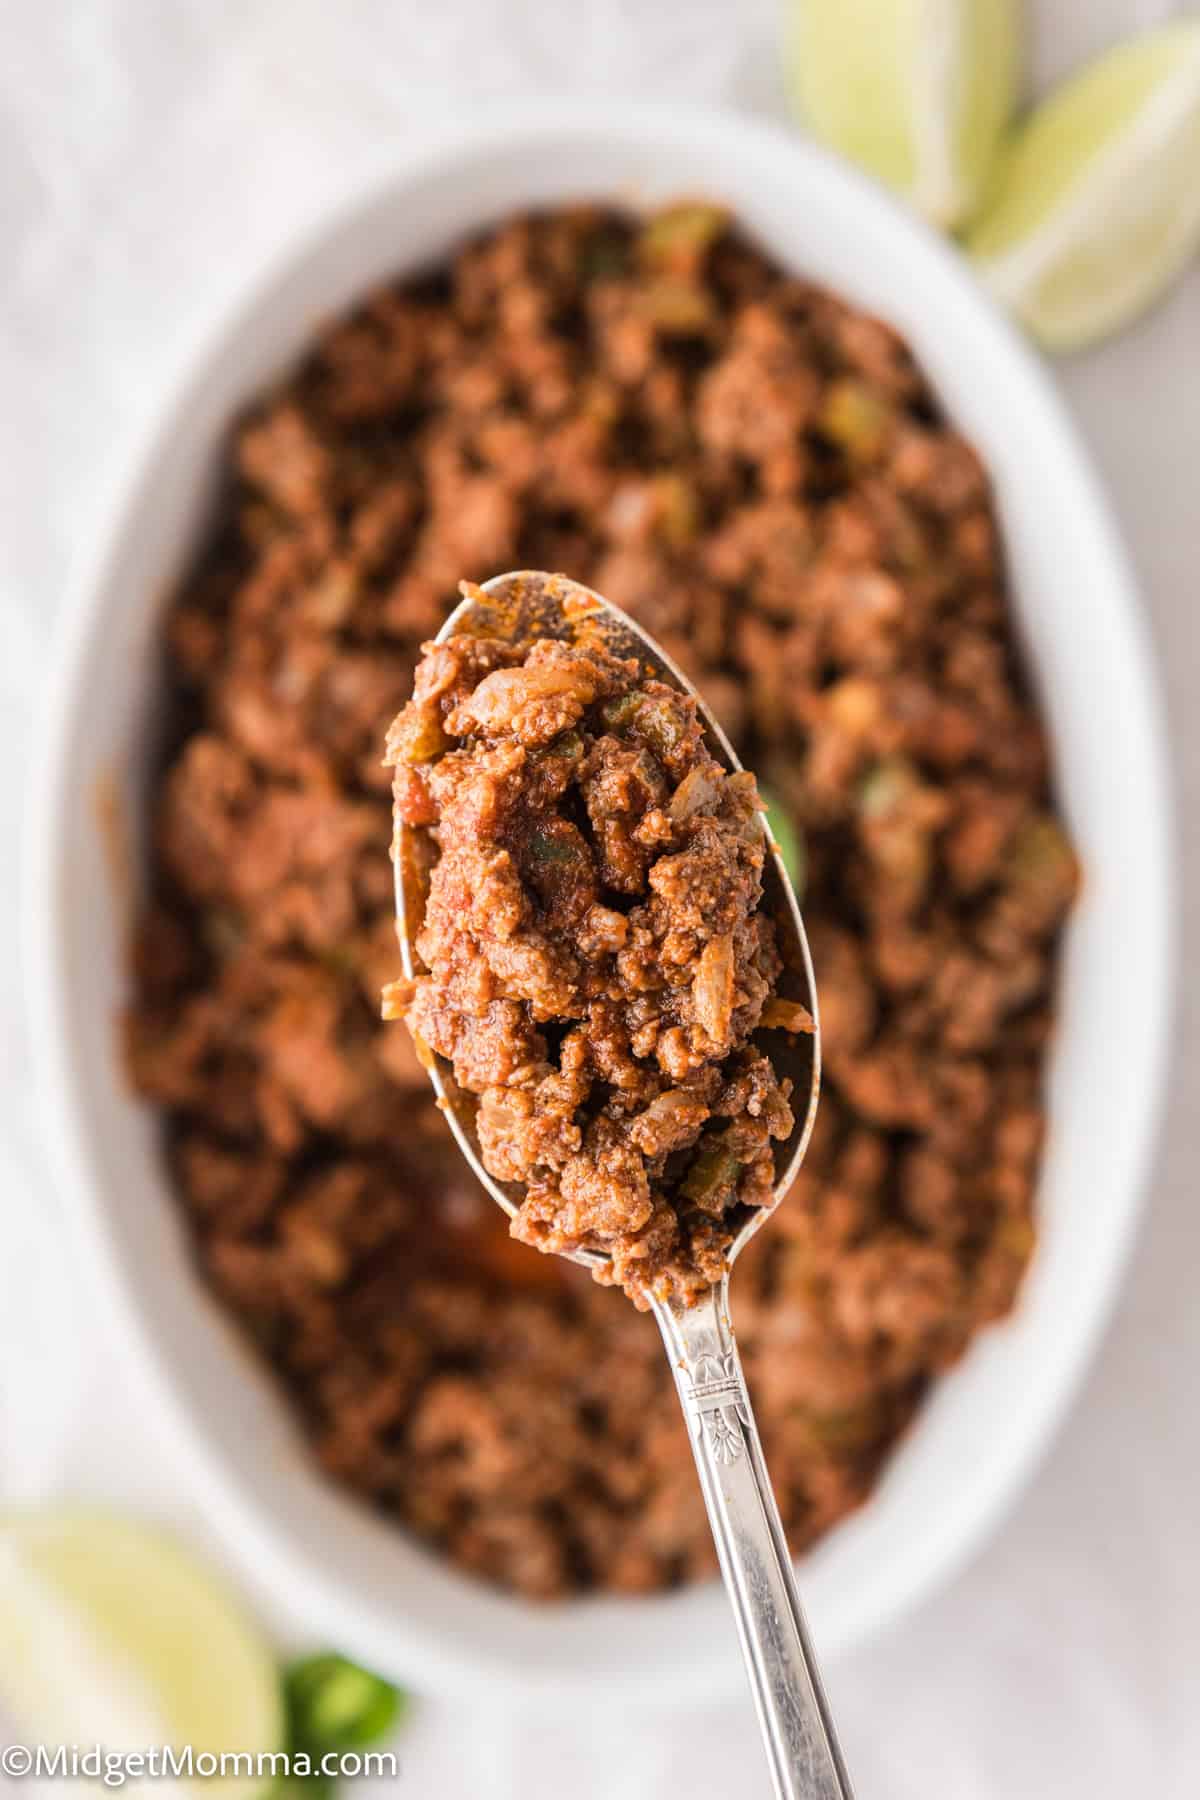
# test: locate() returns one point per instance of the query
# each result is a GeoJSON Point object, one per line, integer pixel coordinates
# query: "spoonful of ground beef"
{"type": "Point", "coordinates": [606, 975]}
{"type": "Point", "coordinates": [595, 953]}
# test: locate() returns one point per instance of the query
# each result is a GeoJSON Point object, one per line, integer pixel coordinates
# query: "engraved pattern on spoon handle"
{"type": "Point", "coordinates": [802, 1749]}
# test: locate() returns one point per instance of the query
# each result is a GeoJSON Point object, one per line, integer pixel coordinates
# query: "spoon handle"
{"type": "Point", "coordinates": [801, 1744]}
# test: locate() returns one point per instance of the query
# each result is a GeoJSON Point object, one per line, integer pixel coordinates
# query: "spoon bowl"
{"type": "Point", "coordinates": [518, 608]}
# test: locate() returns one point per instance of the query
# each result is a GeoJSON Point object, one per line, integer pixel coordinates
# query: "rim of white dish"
{"type": "Point", "coordinates": [366, 1627]}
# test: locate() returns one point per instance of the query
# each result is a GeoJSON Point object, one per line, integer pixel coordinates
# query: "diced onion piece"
{"type": "Point", "coordinates": [712, 988]}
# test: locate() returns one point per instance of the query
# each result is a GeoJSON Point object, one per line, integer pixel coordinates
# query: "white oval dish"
{"type": "Point", "coordinates": [359, 1582]}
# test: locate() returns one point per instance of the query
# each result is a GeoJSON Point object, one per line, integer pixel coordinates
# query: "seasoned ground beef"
{"type": "Point", "coordinates": [596, 880]}
{"type": "Point", "coordinates": [762, 475]}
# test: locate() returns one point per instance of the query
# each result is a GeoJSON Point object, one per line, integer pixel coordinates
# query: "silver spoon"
{"type": "Point", "coordinates": [801, 1744]}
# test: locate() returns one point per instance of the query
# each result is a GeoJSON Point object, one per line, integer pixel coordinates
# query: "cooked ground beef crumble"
{"type": "Point", "coordinates": [595, 874]}
{"type": "Point", "coordinates": [762, 476]}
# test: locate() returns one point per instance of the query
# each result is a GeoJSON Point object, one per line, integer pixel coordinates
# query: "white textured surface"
{"type": "Point", "coordinates": [152, 152]}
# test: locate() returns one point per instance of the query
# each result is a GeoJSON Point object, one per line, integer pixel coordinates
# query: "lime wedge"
{"type": "Point", "coordinates": [916, 91]}
{"type": "Point", "coordinates": [1097, 202]}
{"type": "Point", "coordinates": [112, 1635]}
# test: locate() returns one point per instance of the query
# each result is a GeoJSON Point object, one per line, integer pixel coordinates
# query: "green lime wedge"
{"type": "Point", "coordinates": [1097, 203]}
{"type": "Point", "coordinates": [111, 1634]}
{"type": "Point", "coordinates": [916, 91]}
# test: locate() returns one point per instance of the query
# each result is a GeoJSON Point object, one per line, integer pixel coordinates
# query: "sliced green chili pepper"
{"type": "Point", "coordinates": [335, 1705]}
{"type": "Point", "coordinates": [655, 720]}
{"type": "Point", "coordinates": [547, 846]}
{"type": "Point", "coordinates": [621, 710]}
{"type": "Point", "coordinates": [684, 231]}
{"type": "Point", "coordinates": [659, 724]}
{"type": "Point", "coordinates": [791, 844]}
{"type": "Point", "coordinates": [712, 1170]}
{"type": "Point", "coordinates": [853, 417]}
